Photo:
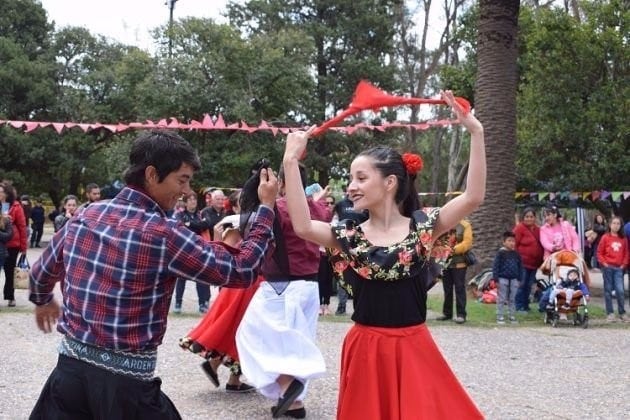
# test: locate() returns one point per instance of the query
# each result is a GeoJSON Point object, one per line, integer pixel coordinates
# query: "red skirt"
{"type": "Point", "coordinates": [398, 373]}
{"type": "Point", "coordinates": [217, 330]}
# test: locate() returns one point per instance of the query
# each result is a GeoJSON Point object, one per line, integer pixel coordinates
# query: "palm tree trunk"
{"type": "Point", "coordinates": [495, 103]}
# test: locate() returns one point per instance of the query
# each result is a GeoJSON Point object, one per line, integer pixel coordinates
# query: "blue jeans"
{"type": "Point", "coordinates": [528, 278]}
{"type": "Point", "coordinates": [613, 280]}
{"type": "Point", "coordinates": [203, 292]}
{"type": "Point", "coordinates": [544, 299]}
{"type": "Point", "coordinates": [342, 295]}
{"type": "Point", "coordinates": [507, 292]}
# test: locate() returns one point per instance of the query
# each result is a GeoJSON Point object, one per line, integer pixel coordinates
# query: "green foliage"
{"type": "Point", "coordinates": [572, 129]}
{"type": "Point", "coordinates": [294, 63]}
{"type": "Point", "coordinates": [26, 71]}
{"type": "Point", "coordinates": [349, 41]}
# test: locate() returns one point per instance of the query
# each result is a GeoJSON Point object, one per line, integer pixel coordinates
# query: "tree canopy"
{"type": "Point", "coordinates": [294, 63]}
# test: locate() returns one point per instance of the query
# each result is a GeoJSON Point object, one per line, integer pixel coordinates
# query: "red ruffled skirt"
{"type": "Point", "coordinates": [398, 373]}
{"type": "Point", "coordinates": [217, 330]}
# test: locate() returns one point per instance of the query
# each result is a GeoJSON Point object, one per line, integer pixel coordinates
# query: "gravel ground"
{"type": "Point", "coordinates": [511, 372]}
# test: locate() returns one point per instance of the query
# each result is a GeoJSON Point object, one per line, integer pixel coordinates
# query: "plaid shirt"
{"type": "Point", "coordinates": [118, 260]}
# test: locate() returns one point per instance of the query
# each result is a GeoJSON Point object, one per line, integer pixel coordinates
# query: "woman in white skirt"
{"type": "Point", "coordinates": [276, 338]}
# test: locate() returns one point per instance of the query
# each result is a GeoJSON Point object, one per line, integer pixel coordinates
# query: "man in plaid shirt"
{"type": "Point", "coordinates": [117, 262]}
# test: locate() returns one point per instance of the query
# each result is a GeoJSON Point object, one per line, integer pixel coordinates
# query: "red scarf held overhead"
{"type": "Point", "coordinates": [367, 96]}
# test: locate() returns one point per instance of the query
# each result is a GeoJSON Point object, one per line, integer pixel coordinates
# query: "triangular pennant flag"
{"type": "Point", "coordinates": [264, 125]}
{"type": "Point", "coordinates": [219, 123]}
{"type": "Point", "coordinates": [616, 196]}
{"type": "Point", "coordinates": [595, 195]}
{"type": "Point", "coordinates": [58, 127]}
{"type": "Point", "coordinates": [207, 122]}
{"type": "Point", "coordinates": [16, 124]}
{"type": "Point", "coordinates": [247, 128]}
{"type": "Point", "coordinates": [30, 126]}
{"type": "Point", "coordinates": [604, 195]}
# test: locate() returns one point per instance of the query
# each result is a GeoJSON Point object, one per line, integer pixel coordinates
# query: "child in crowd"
{"type": "Point", "coordinates": [613, 256]}
{"type": "Point", "coordinates": [569, 286]}
{"type": "Point", "coordinates": [506, 268]}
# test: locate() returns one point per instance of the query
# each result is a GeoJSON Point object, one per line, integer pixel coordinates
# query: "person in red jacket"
{"type": "Point", "coordinates": [527, 234]}
{"type": "Point", "coordinates": [612, 254]}
{"type": "Point", "coordinates": [18, 242]}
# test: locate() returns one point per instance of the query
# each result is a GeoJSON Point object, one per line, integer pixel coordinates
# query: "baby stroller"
{"type": "Point", "coordinates": [560, 263]}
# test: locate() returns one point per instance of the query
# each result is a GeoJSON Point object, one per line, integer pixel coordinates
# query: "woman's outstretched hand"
{"type": "Point", "coordinates": [296, 144]}
{"type": "Point", "coordinates": [468, 120]}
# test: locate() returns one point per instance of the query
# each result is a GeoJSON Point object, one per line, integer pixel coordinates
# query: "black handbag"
{"type": "Point", "coordinates": [470, 258]}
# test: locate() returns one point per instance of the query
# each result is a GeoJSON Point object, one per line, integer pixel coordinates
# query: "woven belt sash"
{"type": "Point", "coordinates": [135, 365]}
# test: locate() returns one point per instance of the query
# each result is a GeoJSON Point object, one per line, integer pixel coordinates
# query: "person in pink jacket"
{"type": "Point", "coordinates": [557, 234]}
{"type": "Point", "coordinates": [612, 254]}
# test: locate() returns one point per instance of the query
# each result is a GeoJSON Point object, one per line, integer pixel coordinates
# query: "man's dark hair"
{"type": "Point", "coordinates": [91, 186]}
{"type": "Point", "coordinates": [164, 150]}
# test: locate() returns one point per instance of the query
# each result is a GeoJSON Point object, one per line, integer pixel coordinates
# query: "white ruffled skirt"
{"type": "Point", "coordinates": [278, 336]}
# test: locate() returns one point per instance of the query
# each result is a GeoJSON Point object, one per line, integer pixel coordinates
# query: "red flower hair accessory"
{"type": "Point", "coordinates": [413, 163]}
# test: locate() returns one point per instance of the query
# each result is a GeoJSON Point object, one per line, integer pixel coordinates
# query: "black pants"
{"type": "Point", "coordinates": [454, 278]}
{"type": "Point", "coordinates": [77, 390]}
{"type": "Point", "coordinates": [324, 280]}
{"type": "Point", "coordinates": [36, 235]}
{"type": "Point", "coordinates": [9, 273]}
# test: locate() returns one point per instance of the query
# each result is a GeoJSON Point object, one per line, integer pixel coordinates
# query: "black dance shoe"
{"type": "Point", "coordinates": [296, 413]}
{"type": "Point", "coordinates": [293, 391]}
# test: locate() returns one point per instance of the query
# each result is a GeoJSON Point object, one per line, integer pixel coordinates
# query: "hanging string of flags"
{"type": "Point", "coordinates": [211, 123]}
{"type": "Point", "coordinates": [366, 97]}
{"type": "Point", "coordinates": [616, 196]}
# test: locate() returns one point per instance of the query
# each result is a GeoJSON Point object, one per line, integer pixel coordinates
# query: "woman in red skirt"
{"type": "Point", "coordinates": [391, 367]}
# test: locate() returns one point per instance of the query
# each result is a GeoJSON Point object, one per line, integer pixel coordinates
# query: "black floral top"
{"type": "Point", "coordinates": [390, 284]}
